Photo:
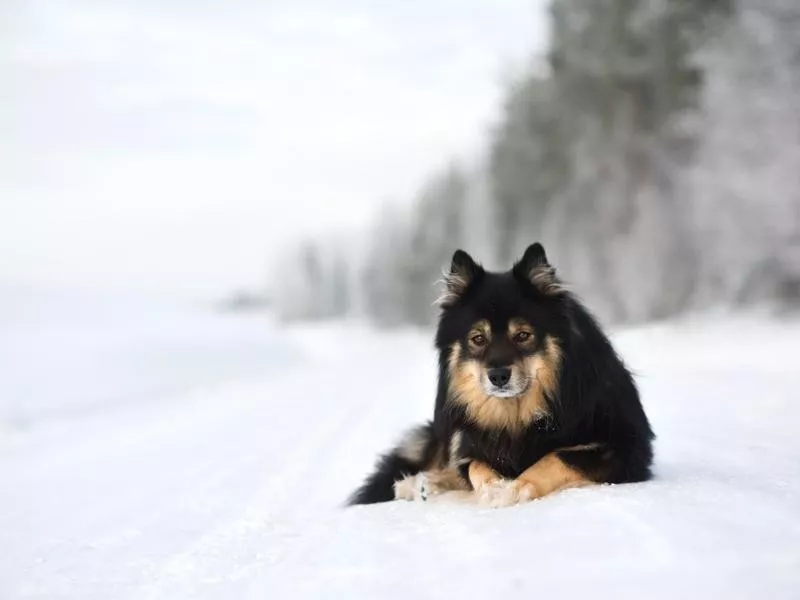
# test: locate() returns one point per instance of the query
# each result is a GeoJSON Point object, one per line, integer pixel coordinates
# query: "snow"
{"type": "Point", "coordinates": [181, 455]}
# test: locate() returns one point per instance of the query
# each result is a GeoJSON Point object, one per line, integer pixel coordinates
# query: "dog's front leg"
{"type": "Point", "coordinates": [482, 475]}
{"type": "Point", "coordinates": [430, 485]}
{"type": "Point", "coordinates": [549, 474]}
{"type": "Point", "coordinates": [491, 489]}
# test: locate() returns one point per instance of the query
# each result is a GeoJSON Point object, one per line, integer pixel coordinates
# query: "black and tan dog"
{"type": "Point", "coordinates": [532, 397]}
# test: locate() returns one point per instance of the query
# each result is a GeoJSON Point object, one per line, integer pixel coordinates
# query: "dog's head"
{"type": "Point", "coordinates": [499, 333]}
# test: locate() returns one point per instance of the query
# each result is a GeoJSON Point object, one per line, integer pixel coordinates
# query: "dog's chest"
{"type": "Point", "coordinates": [507, 465]}
{"type": "Point", "coordinates": [502, 452]}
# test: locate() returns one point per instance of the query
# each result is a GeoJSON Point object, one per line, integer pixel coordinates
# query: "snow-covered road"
{"type": "Point", "coordinates": [226, 481]}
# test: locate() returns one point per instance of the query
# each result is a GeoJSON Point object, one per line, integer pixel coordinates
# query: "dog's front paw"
{"type": "Point", "coordinates": [412, 487]}
{"type": "Point", "coordinates": [505, 492]}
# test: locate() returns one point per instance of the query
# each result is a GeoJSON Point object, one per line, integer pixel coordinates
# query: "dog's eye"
{"type": "Point", "coordinates": [522, 337]}
{"type": "Point", "coordinates": [479, 339]}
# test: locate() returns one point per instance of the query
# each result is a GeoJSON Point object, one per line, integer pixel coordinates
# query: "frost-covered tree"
{"type": "Point", "coordinates": [653, 149]}
{"type": "Point", "coordinates": [589, 156]}
{"type": "Point", "coordinates": [383, 268]}
{"type": "Point", "coordinates": [437, 227]}
{"type": "Point", "coordinates": [527, 163]}
{"type": "Point", "coordinates": [410, 248]}
{"type": "Point", "coordinates": [745, 178]}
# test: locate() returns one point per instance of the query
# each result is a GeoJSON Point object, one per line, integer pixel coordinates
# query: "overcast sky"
{"type": "Point", "coordinates": [173, 145]}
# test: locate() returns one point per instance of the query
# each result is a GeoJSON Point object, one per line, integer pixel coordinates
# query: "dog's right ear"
{"type": "Point", "coordinates": [464, 271]}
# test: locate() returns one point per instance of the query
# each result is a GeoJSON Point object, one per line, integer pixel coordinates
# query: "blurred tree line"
{"type": "Point", "coordinates": [654, 150]}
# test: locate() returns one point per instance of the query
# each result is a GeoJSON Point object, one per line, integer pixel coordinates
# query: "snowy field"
{"type": "Point", "coordinates": [154, 454]}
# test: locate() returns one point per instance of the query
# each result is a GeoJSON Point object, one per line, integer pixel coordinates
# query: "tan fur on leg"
{"type": "Point", "coordinates": [549, 474]}
{"type": "Point", "coordinates": [445, 480]}
{"type": "Point", "coordinates": [504, 492]}
{"type": "Point", "coordinates": [457, 496]}
{"type": "Point", "coordinates": [424, 486]}
{"type": "Point", "coordinates": [491, 489]}
{"type": "Point", "coordinates": [481, 475]}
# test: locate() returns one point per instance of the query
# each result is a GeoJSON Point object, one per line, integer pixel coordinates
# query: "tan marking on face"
{"type": "Point", "coordinates": [521, 326]}
{"type": "Point", "coordinates": [517, 325]}
{"type": "Point", "coordinates": [480, 328]}
{"type": "Point", "coordinates": [544, 366]}
{"type": "Point", "coordinates": [512, 414]}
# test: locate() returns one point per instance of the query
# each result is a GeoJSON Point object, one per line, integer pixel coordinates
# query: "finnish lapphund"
{"type": "Point", "coordinates": [532, 397]}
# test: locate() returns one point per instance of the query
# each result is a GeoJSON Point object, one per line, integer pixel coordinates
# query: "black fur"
{"type": "Point", "coordinates": [393, 466]}
{"type": "Point", "coordinates": [596, 403]}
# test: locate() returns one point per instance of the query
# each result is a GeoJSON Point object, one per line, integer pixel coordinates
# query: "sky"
{"type": "Point", "coordinates": [177, 146]}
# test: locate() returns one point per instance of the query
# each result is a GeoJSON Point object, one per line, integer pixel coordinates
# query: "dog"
{"type": "Point", "coordinates": [532, 398]}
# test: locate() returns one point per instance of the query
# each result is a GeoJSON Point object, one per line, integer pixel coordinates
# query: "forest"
{"type": "Point", "coordinates": [654, 149]}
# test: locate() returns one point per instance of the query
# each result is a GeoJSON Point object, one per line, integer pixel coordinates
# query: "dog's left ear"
{"type": "Point", "coordinates": [534, 268]}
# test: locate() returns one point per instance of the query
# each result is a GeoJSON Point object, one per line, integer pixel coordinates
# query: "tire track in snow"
{"type": "Point", "coordinates": [240, 546]}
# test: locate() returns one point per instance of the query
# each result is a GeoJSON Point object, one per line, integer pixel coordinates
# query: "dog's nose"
{"type": "Point", "coordinates": [500, 376]}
